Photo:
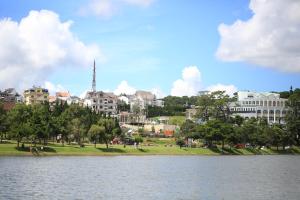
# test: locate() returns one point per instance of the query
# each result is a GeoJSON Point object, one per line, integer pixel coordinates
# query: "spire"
{"type": "Point", "coordinates": [94, 78]}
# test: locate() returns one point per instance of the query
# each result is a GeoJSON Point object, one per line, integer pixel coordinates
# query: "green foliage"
{"type": "Point", "coordinates": [180, 142]}
{"type": "Point", "coordinates": [96, 133]}
{"type": "Point", "coordinates": [214, 106]}
{"type": "Point", "coordinates": [177, 120]}
{"type": "Point", "coordinates": [138, 140]}
{"type": "Point", "coordinates": [3, 122]}
{"type": "Point", "coordinates": [173, 106]}
{"type": "Point", "coordinates": [39, 123]}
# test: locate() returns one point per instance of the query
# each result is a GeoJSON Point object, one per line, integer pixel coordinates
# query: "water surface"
{"type": "Point", "coordinates": [151, 177]}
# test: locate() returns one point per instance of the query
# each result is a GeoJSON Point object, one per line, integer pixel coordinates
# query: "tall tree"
{"type": "Point", "coordinates": [19, 122]}
{"type": "Point", "coordinates": [95, 133]}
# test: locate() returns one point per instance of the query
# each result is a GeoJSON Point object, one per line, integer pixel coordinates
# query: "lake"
{"type": "Point", "coordinates": [151, 177]}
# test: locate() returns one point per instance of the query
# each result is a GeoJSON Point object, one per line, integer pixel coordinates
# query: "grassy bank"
{"type": "Point", "coordinates": [9, 149]}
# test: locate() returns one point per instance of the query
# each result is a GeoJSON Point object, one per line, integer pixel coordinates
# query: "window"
{"type": "Point", "coordinates": [261, 103]}
{"type": "Point", "coordinates": [274, 103]}
{"type": "Point", "coordinates": [257, 102]}
{"type": "Point", "coordinates": [270, 103]}
{"type": "Point", "coordinates": [258, 111]}
{"type": "Point", "coordinates": [283, 112]}
{"type": "Point", "coordinates": [266, 103]}
{"type": "Point", "coordinates": [271, 111]}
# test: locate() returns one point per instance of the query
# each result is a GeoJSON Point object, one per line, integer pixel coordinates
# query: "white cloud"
{"type": "Point", "coordinates": [270, 38]}
{"type": "Point", "coordinates": [38, 44]}
{"type": "Point", "coordinates": [83, 94]}
{"type": "Point", "coordinates": [124, 88]}
{"type": "Point", "coordinates": [53, 88]}
{"type": "Point", "coordinates": [103, 8]}
{"type": "Point", "coordinates": [229, 89]}
{"type": "Point", "coordinates": [189, 84]}
{"type": "Point", "coordinates": [141, 3]}
{"type": "Point", "coordinates": [158, 93]}
{"type": "Point", "coordinates": [108, 8]}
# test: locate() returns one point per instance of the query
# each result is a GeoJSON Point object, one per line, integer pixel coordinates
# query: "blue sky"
{"type": "Point", "coordinates": [149, 45]}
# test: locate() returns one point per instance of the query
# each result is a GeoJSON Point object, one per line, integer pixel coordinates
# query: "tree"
{"type": "Point", "coordinates": [39, 122]}
{"type": "Point", "coordinates": [19, 122]}
{"type": "Point", "coordinates": [188, 127]}
{"type": "Point", "coordinates": [3, 122]}
{"type": "Point", "coordinates": [76, 128]}
{"type": "Point", "coordinates": [95, 133]}
{"type": "Point", "coordinates": [293, 116]}
{"type": "Point", "coordinates": [138, 140]}
{"type": "Point", "coordinates": [214, 106]}
{"type": "Point", "coordinates": [109, 125]}
{"type": "Point", "coordinates": [180, 143]}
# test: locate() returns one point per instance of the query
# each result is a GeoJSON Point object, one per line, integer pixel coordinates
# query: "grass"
{"type": "Point", "coordinates": [9, 149]}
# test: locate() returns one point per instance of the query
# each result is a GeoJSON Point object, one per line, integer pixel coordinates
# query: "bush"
{"type": "Point", "coordinates": [138, 139]}
{"type": "Point", "coordinates": [180, 142]}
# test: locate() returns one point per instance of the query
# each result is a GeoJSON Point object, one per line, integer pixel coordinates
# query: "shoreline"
{"type": "Point", "coordinates": [55, 149]}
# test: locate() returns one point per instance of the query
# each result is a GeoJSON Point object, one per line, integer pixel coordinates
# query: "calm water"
{"type": "Point", "coordinates": [151, 177]}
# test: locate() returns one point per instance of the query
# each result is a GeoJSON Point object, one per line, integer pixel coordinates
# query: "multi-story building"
{"type": "Point", "coordinates": [10, 95]}
{"type": "Point", "coordinates": [260, 105]}
{"type": "Point", "coordinates": [142, 99]}
{"type": "Point", "coordinates": [36, 95]}
{"type": "Point", "coordinates": [102, 102]}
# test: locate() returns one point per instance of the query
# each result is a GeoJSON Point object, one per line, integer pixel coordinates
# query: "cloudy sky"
{"type": "Point", "coordinates": [164, 46]}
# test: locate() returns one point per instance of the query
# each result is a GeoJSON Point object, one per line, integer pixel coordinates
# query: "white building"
{"type": "Point", "coordinates": [142, 99]}
{"type": "Point", "coordinates": [101, 102]}
{"type": "Point", "coordinates": [260, 105]}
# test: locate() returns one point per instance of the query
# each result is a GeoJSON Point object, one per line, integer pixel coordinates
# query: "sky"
{"type": "Point", "coordinates": [164, 46]}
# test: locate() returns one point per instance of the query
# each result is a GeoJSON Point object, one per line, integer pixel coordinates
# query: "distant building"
{"type": "Point", "coordinates": [260, 105]}
{"type": "Point", "coordinates": [36, 95]}
{"type": "Point", "coordinates": [74, 100]}
{"type": "Point", "coordinates": [142, 99]}
{"type": "Point", "coordinates": [101, 102]}
{"type": "Point", "coordinates": [10, 95]}
{"type": "Point", "coordinates": [63, 96]}
{"type": "Point", "coordinates": [190, 113]}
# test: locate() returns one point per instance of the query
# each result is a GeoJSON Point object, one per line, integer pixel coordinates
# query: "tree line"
{"type": "Point", "coordinates": [61, 123]}
{"type": "Point", "coordinates": [217, 125]}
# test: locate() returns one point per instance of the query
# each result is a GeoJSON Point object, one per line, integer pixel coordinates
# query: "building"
{"type": "Point", "coordinates": [101, 102]}
{"type": "Point", "coordinates": [190, 113]}
{"type": "Point", "coordinates": [74, 100]}
{"type": "Point", "coordinates": [64, 97]}
{"type": "Point", "coordinates": [260, 105]}
{"type": "Point", "coordinates": [10, 95]}
{"type": "Point", "coordinates": [142, 99]}
{"type": "Point", "coordinates": [36, 95]}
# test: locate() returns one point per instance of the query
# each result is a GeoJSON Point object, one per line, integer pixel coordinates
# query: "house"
{"type": "Point", "coordinates": [101, 102]}
{"type": "Point", "coordinates": [36, 95]}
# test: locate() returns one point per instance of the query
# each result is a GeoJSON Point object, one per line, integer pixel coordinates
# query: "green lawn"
{"type": "Point", "coordinates": [156, 149]}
